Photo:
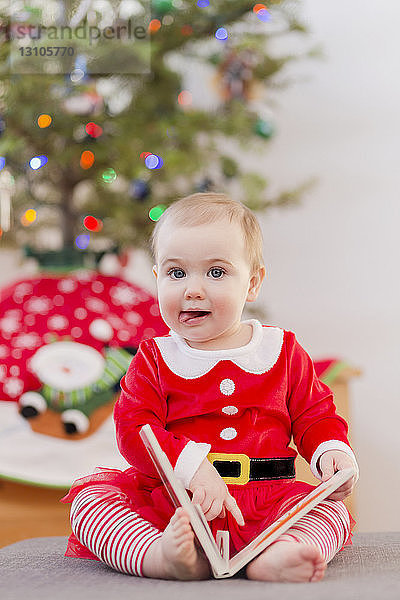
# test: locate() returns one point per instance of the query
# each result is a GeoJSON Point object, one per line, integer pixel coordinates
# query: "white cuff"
{"type": "Point", "coordinates": [331, 445]}
{"type": "Point", "coordinates": [189, 461]}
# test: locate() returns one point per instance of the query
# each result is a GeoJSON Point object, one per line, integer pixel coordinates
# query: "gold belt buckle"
{"type": "Point", "coordinates": [244, 461]}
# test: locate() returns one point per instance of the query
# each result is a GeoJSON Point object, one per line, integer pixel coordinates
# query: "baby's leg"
{"type": "Point", "coordinates": [103, 521]}
{"type": "Point", "coordinates": [301, 554]}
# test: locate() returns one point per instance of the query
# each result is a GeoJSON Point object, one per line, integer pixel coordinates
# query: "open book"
{"type": "Point", "coordinates": [217, 551]}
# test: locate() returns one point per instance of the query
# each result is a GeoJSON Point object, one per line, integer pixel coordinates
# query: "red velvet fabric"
{"type": "Point", "coordinates": [284, 401]}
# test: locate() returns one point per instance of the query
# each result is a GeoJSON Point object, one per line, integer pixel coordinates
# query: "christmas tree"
{"type": "Point", "coordinates": [97, 144]}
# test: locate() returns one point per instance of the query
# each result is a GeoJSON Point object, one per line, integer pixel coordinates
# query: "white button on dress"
{"type": "Point", "coordinates": [230, 410]}
{"type": "Point", "coordinates": [229, 433]}
{"type": "Point", "coordinates": [227, 387]}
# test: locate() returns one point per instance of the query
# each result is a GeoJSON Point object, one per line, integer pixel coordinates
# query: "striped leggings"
{"type": "Point", "coordinates": [105, 524]}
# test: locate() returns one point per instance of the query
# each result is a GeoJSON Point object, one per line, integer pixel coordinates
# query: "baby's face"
{"type": "Point", "coordinates": [204, 269]}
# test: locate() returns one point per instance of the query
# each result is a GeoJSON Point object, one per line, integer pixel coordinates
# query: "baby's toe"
{"type": "Point", "coordinates": [310, 553]}
{"type": "Point", "coordinates": [180, 516]}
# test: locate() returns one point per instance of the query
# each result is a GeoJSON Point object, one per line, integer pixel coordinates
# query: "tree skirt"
{"type": "Point", "coordinates": [31, 457]}
{"type": "Point", "coordinates": [76, 322]}
{"type": "Point", "coordinates": [85, 307]}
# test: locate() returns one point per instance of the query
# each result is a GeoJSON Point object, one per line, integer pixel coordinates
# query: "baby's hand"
{"type": "Point", "coordinates": [336, 460]}
{"type": "Point", "coordinates": [211, 492]}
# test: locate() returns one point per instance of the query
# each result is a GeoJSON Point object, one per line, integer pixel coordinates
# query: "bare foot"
{"type": "Point", "coordinates": [288, 561]}
{"type": "Point", "coordinates": [174, 555]}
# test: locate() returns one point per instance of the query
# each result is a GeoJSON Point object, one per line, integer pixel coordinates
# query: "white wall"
{"type": "Point", "coordinates": [333, 262]}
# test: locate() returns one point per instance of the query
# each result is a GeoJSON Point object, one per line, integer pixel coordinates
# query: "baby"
{"type": "Point", "coordinates": [219, 393]}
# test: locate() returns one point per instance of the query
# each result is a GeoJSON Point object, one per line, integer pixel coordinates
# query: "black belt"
{"type": "Point", "coordinates": [239, 469]}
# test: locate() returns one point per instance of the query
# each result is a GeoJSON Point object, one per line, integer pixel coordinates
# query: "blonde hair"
{"type": "Point", "coordinates": [208, 207]}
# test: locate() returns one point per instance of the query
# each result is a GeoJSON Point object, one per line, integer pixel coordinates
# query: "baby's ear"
{"type": "Point", "coordinates": [255, 283]}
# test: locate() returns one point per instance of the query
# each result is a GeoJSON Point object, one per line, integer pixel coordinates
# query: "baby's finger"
{"type": "Point", "coordinates": [232, 506]}
{"type": "Point", "coordinates": [336, 497]}
{"type": "Point", "coordinates": [340, 494]}
{"type": "Point", "coordinates": [198, 495]}
{"type": "Point", "coordinates": [214, 510]}
{"type": "Point", "coordinates": [346, 487]}
{"type": "Point", "coordinates": [206, 503]}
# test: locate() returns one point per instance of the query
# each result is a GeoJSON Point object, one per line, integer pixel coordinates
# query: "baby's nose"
{"type": "Point", "coordinates": [194, 289]}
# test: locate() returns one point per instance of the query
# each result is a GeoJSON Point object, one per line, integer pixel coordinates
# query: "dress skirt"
{"type": "Point", "coordinates": [261, 503]}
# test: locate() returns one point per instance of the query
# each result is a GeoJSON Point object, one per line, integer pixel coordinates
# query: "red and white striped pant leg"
{"type": "Point", "coordinates": [326, 526]}
{"type": "Point", "coordinates": [103, 521]}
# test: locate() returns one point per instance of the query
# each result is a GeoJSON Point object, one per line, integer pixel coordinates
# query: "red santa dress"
{"type": "Point", "coordinates": [248, 400]}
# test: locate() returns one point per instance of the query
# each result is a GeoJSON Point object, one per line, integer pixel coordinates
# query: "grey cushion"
{"type": "Point", "coordinates": [36, 569]}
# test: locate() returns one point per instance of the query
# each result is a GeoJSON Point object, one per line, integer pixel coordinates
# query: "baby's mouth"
{"type": "Point", "coordinates": [192, 315]}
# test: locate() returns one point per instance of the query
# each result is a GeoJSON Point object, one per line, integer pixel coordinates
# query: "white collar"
{"type": "Point", "coordinates": [258, 356]}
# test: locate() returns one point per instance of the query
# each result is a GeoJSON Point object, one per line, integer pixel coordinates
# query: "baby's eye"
{"type": "Point", "coordinates": [174, 271]}
{"type": "Point", "coordinates": [218, 270]}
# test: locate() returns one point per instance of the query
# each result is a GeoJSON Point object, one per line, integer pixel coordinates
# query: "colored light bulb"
{"type": "Point", "coordinates": [44, 121]}
{"type": "Point", "coordinates": [87, 159]}
{"type": "Point", "coordinates": [30, 215]}
{"type": "Point", "coordinates": [93, 130]}
{"type": "Point", "coordinates": [92, 224]}
{"type": "Point", "coordinates": [156, 212]}
{"type": "Point", "coordinates": [38, 161]}
{"type": "Point", "coordinates": [263, 15]}
{"type": "Point", "coordinates": [221, 34]}
{"type": "Point", "coordinates": [154, 25]}
{"type": "Point", "coordinates": [82, 241]}
{"type": "Point", "coordinates": [153, 161]}
{"type": "Point", "coordinates": [109, 175]}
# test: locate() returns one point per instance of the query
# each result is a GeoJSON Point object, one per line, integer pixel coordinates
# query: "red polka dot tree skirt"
{"type": "Point", "coordinates": [85, 307]}
{"type": "Point", "coordinates": [65, 341]}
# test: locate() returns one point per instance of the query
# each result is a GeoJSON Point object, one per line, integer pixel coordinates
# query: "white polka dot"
{"type": "Point", "coordinates": [57, 322]}
{"type": "Point", "coordinates": [149, 332]}
{"type": "Point", "coordinates": [133, 318]}
{"type": "Point", "coordinates": [13, 387]}
{"type": "Point", "coordinates": [101, 330]}
{"type": "Point", "coordinates": [96, 305]}
{"type": "Point", "coordinates": [80, 313]}
{"type": "Point", "coordinates": [14, 370]}
{"type": "Point", "coordinates": [58, 300]}
{"type": "Point", "coordinates": [123, 335]}
{"type": "Point", "coordinates": [16, 353]}
{"type": "Point", "coordinates": [15, 313]}
{"type": "Point", "coordinates": [97, 287]}
{"type": "Point", "coordinates": [230, 410]}
{"type": "Point", "coordinates": [227, 387]}
{"type": "Point", "coordinates": [24, 289]}
{"type": "Point", "coordinates": [66, 286]}
{"type": "Point", "coordinates": [154, 310]}
{"type": "Point", "coordinates": [228, 433]}
{"type": "Point", "coordinates": [4, 351]}
{"type": "Point", "coordinates": [76, 332]}
{"type": "Point", "coordinates": [29, 319]}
